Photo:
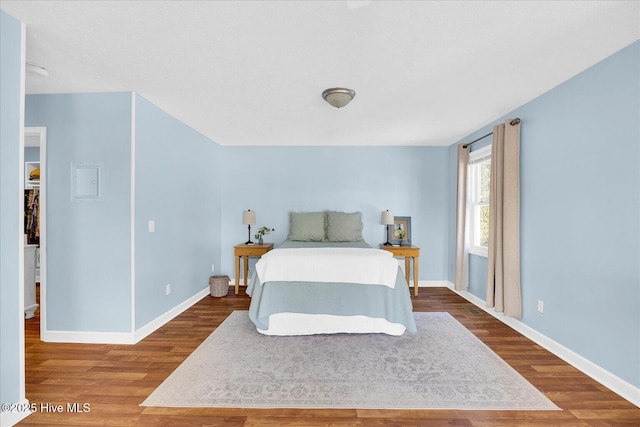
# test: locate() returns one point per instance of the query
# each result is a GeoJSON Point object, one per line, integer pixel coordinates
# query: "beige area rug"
{"type": "Point", "coordinates": [443, 366]}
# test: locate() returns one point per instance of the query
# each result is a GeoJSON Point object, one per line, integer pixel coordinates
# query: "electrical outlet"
{"type": "Point", "coordinates": [213, 268]}
{"type": "Point", "coordinates": [541, 306]}
{"type": "Point", "coordinates": [167, 289]}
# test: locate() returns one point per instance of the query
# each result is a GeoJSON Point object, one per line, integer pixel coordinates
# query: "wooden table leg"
{"type": "Point", "coordinates": [407, 269]}
{"type": "Point", "coordinates": [415, 275]}
{"type": "Point", "coordinates": [246, 270]}
{"type": "Point", "coordinates": [237, 274]}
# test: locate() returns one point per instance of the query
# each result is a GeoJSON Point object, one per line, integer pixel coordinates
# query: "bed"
{"type": "Point", "coordinates": [325, 279]}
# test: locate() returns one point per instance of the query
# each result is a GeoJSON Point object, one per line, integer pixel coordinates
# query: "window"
{"type": "Point", "coordinates": [478, 204]}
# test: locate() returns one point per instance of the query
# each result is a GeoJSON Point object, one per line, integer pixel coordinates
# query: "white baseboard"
{"type": "Point", "coordinates": [432, 284]}
{"type": "Point", "coordinates": [159, 321]}
{"type": "Point", "coordinates": [421, 283]}
{"type": "Point", "coordinates": [11, 418]}
{"type": "Point", "coordinates": [601, 375]}
{"type": "Point", "coordinates": [87, 337]}
{"type": "Point", "coordinates": [92, 337]}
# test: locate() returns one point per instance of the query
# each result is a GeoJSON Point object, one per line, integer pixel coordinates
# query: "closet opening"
{"type": "Point", "coordinates": [34, 227]}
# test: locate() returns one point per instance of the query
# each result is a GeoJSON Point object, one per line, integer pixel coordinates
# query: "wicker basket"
{"type": "Point", "coordinates": [218, 286]}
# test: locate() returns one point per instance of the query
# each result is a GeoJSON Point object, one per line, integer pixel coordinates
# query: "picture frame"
{"type": "Point", "coordinates": [402, 223]}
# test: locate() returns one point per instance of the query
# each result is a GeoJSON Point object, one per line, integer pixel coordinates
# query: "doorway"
{"type": "Point", "coordinates": [35, 139]}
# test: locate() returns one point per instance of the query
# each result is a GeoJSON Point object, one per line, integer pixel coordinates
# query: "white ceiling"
{"type": "Point", "coordinates": [252, 73]}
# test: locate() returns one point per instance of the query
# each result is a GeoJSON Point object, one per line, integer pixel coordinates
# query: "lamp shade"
{"type": "Point", "coordinates": [248, 217]}
{"type": "Point", "coordinates": [387, 218]}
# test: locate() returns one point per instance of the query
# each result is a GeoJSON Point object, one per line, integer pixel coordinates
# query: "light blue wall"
{"type": "Point", "coordinates": [32, 154]}
{"type": "Point", "coordinates": [580, 210]}
{"type": "Point", "coordinates": [88, 243]}
{"type": "Point", "coordinates": [178, 185]}
{"type": "Point", "coordinates": [11, 315]}
{"type": "Point", "coordinates": [409, 181]}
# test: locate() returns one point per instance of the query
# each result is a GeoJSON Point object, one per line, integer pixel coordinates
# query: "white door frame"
{"type": "Point", "coordinates": [33, 136]}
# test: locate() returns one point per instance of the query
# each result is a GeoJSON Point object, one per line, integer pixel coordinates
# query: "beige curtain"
{"type": "Point", "coordinates": [462, 240]}
{"type": "Point", "coordinates": [503, 277]}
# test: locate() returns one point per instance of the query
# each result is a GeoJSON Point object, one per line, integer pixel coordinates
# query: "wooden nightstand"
{"type": "Point", "coordinates": [247, 251]}
{"type": "Point", "coordinates": [409, 253]}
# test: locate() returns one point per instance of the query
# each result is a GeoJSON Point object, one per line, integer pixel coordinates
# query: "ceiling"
{"type": "Point", "coordinates": [252, 73]}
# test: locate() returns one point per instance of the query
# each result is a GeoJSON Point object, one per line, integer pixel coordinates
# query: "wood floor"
{"type": "Point", "coordinates": [112, 380]}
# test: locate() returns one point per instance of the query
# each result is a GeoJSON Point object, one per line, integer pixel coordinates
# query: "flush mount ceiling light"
{"type": "Point", "coordinates": [37, 69]}
{"type": "Point", "coordinates": [338, 96]}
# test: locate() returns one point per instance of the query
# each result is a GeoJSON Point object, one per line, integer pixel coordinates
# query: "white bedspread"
{"type": "Point", "coordinates": [341, 265]}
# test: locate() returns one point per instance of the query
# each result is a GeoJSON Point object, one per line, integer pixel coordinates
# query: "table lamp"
{"type": "Point", "coordinates": [249, 218]}
{"type": "Point", "coordinates": [387, 219]}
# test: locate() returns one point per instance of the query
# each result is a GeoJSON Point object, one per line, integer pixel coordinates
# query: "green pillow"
{"type": "Point", "coordinates": [307, 226]}
{"type": "Point", "coordinates": [344, 227]}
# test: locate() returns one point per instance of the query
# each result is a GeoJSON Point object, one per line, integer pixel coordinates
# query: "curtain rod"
{"type": "Point", "coordinates": [512, 123]}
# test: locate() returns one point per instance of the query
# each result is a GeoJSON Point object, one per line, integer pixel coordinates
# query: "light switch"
{"type": "Point", "coordinates": [152, 226]}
